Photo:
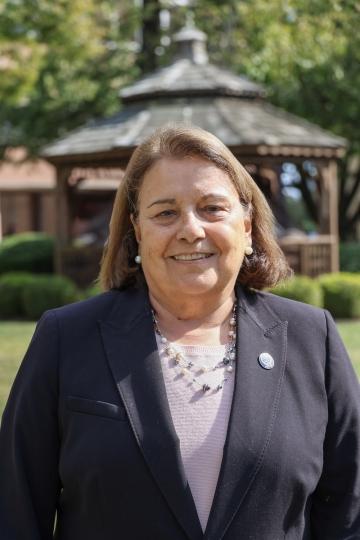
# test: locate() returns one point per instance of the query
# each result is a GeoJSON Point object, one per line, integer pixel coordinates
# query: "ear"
{"type": "Point", "coordinates": [135, 224]}
{"type": "Point", "coordinates": [248, 229]}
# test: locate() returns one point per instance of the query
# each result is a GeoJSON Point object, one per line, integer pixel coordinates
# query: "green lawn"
{"type": "Point", "coordinates": [14, 339]}
{"type": "Point", "coordinates": [15, 336]}
{"type": "Point", "coordinates": [350, 333]}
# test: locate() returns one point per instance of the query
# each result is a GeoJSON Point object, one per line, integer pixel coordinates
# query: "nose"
{"type": "Point", "coordinates": [190, 228]}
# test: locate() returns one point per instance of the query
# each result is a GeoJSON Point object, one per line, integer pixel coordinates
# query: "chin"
{"type": "Point", "coordinates": [194, 287]}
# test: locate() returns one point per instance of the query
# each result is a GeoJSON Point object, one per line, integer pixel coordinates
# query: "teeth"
{"type": "Point", "coordinates": [191, 256]}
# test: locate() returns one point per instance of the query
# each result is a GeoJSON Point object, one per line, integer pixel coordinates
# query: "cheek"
{"type": "Point", "coordinates": [153, 242]}
{"type": "Point", "coordinates": [230, 239]}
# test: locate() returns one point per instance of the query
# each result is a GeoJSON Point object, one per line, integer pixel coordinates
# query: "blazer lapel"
{"type": "Point", "coordinates": [131, 350]}
{"type": "Point", "coordinates": [254, 409]}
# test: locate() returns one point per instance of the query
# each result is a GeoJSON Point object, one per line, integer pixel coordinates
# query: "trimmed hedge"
{"type": "Point", "coordinates": [301, 288]}
{"type": "Point", "coordinates": [12, 286]}
{"type": "Point", "coordinates": [341, 294]}
{"type": "Point", "coordinates": [29, 295]}
{"type": "Point", "coordinates": [47, 292]}
{"type": "Point", "coordinates": [92, 291]}
{"type": "Point", "coordinates": [27, 252]}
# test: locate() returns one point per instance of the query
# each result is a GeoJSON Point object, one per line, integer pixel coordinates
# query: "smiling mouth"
{"type": "Point", "coordinates": [191, 256]}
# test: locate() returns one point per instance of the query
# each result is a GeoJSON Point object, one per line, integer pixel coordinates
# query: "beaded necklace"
{"type": "Point", "coordinates": [189, 370]}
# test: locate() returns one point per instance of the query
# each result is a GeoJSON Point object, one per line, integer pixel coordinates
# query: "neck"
{"type": "Point", "coordinates": [203, 323]}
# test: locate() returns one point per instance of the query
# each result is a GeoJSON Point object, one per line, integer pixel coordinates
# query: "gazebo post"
{"type": "Point", "coordinates": [62, 219]}
{"type": "Point", "coordinates": [329, 208]}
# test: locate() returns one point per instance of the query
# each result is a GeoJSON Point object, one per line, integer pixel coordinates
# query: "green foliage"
{"type": "Point", "coordinates": [62, 63]}
{"type": "Point", "coordinates": [92, 291]}
{"type": "Point", "coordinates": [28, 252]}
{"type": "Point", "coordinates": [302, 289]}
{"type": "Point", "coordinates": [296, 208]}
{"type": "Point", "coordinates": [66, 61]}
{"type": "Point", "coordinates": [47, 292]}
{"type": "Point", "coordinates": [290, 47]}
{"type": "Point", "coordinates": [12, 286]}
{"type": "Point", "coordinates": [28, 295]}
{"type": "Point", "coordinates": [341, 294]}
{"type": "Point", "coordinates": [350, 257]}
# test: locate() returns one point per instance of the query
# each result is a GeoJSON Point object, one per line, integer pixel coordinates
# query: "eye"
{"type": "Point", "coordinates": [166, 214]}
{"type": "Point", "coordinates": [214, 209]}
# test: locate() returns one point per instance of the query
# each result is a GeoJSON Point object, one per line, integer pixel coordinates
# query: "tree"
{"type": "Point", "coordinates": [150, 35]}
{"type": "Point", "coordinates": [307, 54]}
{"type": "Point", "coordinates": [61, 63]}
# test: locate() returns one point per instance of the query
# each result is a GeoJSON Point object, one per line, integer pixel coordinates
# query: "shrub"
{"type": "Point", "coordinates": [301, 288]}
{"type": "Point", "coordinates": [350, 257]}
{"type": "Point", "coordinates": [91, 291]}
{"type": "Point", "coordinates": [12, 286]}
{"type": "Point", "coordinates": [47, 292]}
{"type": "Point", "coordinates": [341, 294]}
{"type": "Point", "coordinates": [27, 252]}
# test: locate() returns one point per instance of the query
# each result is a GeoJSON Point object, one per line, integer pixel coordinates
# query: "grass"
{"type": "Point", "coordinates": [15, 337]}
{"type": "Point", "coordinates": [350, 333]}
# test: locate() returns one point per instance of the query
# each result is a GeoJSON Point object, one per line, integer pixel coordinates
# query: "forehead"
{"type": "Point", "coordinates": [190, 175]}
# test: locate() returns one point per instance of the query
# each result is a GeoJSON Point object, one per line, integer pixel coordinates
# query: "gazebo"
{"type": "Point", "coordinates": [192, 90]}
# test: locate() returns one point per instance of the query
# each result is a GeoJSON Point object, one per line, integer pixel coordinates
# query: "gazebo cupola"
{"type": "Point", "coordinates": [191, 44]}
{"type": "Point", "coordinates": [193, 90]}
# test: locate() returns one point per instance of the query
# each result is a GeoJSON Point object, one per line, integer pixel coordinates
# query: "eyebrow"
{"type": "Point", "coordinates": [208, 196]}
{"type": "Point", "coordinates": [162, 201]}
{"type": "Point", "coordinates": [215, 196]}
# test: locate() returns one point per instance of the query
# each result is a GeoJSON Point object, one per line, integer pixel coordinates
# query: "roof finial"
{"type": "Point", "coordinates": [191, 42]}
{"type": "Point", "coordinates": [190, 20]}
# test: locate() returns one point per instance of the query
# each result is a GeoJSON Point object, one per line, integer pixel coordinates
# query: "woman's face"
{"type": "Point", "coordinates": [191, 229]}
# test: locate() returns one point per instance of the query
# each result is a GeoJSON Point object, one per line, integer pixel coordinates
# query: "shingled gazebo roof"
{"type": "Point", "coordinates": [193, 90]}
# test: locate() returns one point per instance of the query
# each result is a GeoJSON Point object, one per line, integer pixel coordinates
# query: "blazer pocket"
{"type": "Point", "coordinates": [97, 408]}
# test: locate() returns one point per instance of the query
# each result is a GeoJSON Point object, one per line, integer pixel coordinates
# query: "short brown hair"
{"type": "Point", "coordinates": [264, 268]}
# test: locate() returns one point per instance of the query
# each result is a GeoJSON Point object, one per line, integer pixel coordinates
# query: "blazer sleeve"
{"type": "Point", "coordinates": [29, 442]}
{"type": "Point", "coordinates": [336, 501]}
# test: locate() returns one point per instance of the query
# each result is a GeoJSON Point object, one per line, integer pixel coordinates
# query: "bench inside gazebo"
{"type": "Point", "coordinates": [194, 91]}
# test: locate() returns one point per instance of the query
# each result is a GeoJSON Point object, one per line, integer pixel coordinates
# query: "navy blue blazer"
{"type": "Point", "coordinates": [87, 433]}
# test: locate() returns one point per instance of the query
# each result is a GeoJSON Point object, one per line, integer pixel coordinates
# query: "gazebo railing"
{"type": "Point", "coordinates": [311, 256]}
{"type": "Point", "coordinates": [81, 264]}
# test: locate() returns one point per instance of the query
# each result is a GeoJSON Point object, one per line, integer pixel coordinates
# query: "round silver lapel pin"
{"type": "Point", "coordinates": [266, 360]}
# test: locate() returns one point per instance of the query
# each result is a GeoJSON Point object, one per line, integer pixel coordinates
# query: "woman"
{"type": "Point", "coordinates": [182, 404]}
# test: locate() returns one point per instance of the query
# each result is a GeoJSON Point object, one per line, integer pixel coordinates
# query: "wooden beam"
{"type": "Point", "coordinates": [62, 216]}
{"type": "Point", "coordinates": [329, 218]}
{"type": "Point", "coordinates": [329, 221]}
{"type": "Point", "coordinates": [288, 151]}
{"type": "Point", "coordinates": [119, 157]}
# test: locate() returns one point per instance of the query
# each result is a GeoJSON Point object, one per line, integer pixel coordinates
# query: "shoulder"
{"type": "Point", "coordinates": [300, 316]}
{"type": "Point", "coordinates": [285, 307]}
{"type": "Point", "coordinates": [88, 312]}
{"type": "Point", "coordinates": [92, 307]}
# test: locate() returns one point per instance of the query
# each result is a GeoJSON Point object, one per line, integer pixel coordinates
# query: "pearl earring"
{"type": "Point", "coordinates": [249, 250]}
{"type": "Point", "coordinates": [138, 259]}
